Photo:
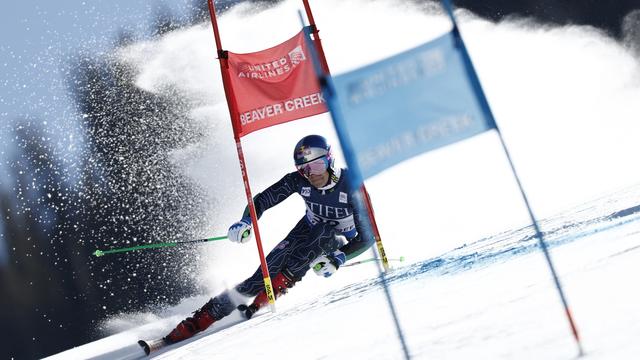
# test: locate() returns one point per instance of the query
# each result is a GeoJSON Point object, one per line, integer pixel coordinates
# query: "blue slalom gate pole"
{"type": "Point", "coordinates": [356, 178]}
{"type": "Point", "coordinates": [485, 105]}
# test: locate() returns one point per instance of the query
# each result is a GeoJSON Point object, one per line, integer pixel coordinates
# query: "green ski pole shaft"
{"type": "Point", "coordinates": [99, 253]}
{"type": "Point", "coordinates": [401, 258]}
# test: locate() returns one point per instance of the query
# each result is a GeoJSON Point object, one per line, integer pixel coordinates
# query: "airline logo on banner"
{"type": "Point", "coordinates": [274, 86]}
{"type": "Point", "coordinates": [413, 102]}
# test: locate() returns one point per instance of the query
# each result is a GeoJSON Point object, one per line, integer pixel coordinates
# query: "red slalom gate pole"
{"type": "Point", "coordinates": [316, 36]}
{"type": "Point", "coordinates": [231, 102]}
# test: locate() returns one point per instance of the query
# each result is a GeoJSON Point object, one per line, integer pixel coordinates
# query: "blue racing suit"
{"type": "Point", "coordinates": [330, 211]}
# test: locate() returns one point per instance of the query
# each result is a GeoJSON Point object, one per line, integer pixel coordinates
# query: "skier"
{"type": "Point", "coordinates": [322, 240]}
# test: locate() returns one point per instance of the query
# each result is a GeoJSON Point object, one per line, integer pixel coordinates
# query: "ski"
{"type": "Point", "coordinates": [150, 346]}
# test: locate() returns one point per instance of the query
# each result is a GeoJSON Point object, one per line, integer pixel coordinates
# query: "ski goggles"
{"type": "Point", "coordinates": [313, 167]}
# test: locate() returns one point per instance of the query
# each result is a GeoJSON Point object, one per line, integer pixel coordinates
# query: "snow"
{"type": "Point", "coordinates": [498, 303]}
{"type": "Point", "coordinates": [474, 285]}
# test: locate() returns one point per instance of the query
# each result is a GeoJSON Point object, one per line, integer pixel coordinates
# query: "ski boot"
{"type": "Point", "coordinates": [200, 320]}
{"type": "Point", "coordinates": [281, 284]}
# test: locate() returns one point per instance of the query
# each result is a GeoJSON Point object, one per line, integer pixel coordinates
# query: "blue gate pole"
{"type": "Point", "coordinates": [485, 105]}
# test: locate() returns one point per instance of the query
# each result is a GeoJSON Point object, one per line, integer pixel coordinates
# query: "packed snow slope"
{"type": "Point", "coordinates": [491, 299]}
{"type": "Point", "coordinates": [566, 100]}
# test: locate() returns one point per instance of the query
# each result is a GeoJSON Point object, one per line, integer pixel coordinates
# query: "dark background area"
{"type": "Point", "coordinates": [124, 191]}
{"type": "Point", "coordinates": [605, 14]}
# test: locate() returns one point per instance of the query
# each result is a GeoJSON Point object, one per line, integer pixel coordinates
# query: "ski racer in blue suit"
{"type": "Point", "coordinates": [328, 234]}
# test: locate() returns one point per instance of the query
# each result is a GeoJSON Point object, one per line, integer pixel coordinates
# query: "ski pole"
{"type": "Point", "coordinates": [99, 253]}
{"type": "Point", "coordinates": [401, 258]}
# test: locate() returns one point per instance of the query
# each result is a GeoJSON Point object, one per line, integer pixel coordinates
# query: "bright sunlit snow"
{"type": "Point", "coordinates": [566, 100]}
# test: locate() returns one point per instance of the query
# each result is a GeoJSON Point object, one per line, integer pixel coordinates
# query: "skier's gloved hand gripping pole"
{"type": "Point", "coordinates": [327, 264]}
{"type": "Point", "coordinates": [240, 232]}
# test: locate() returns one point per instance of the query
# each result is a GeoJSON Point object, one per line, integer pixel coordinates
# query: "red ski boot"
{"type": "Point", "coordinates": [281, 284]}
{"type": "Point", "coordinates": [200, 320]}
